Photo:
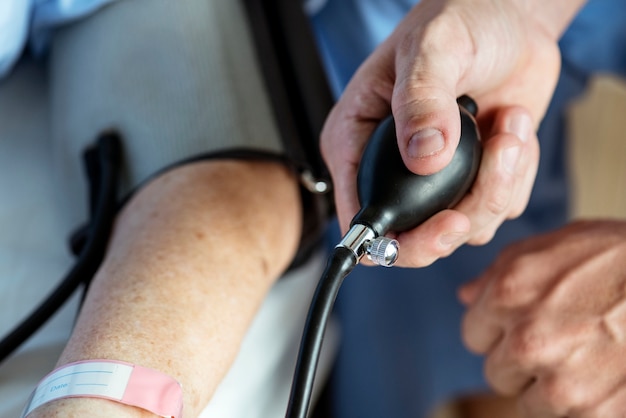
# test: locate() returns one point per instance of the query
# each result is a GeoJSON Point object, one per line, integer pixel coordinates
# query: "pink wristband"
{"type": "Point", "coordinates": [114, 380]}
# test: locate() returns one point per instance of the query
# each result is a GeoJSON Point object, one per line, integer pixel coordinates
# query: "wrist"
{"type": "Point", "coordinates": [115, 381]}
{"type": "Point", "coordinates": [553, 16]}
{"type": "Point", "coordinates": [89, 407]}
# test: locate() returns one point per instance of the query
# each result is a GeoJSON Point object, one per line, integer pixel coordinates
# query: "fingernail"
{"type": "Point", "coordinates": [510, 156]}
{"type": "Point", "coordinates": [451, 238]}
{"type": "Point", "coordinates": [425, 142]}
{"type": "Point", "coordinates": [520, 126]}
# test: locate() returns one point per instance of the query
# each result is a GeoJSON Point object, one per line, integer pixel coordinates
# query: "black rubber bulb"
{"type": "Point", "coordinates": [393, 199]}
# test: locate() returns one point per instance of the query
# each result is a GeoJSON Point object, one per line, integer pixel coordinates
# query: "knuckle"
{"type": "Point", "coordinates": [519, 205]}
{"type": "Point", "coordinates": [560, 394]}
{"type": "Point", "coordinates": [483, 237]}
{"type": "Point", "coordinates": [505, 291]}
{"type": "Point", "coordinates": [510, 290]}
{"type": "Point", "coordinates": [498, 202]}
{"type": "Point", "coordinates": [527, 345]}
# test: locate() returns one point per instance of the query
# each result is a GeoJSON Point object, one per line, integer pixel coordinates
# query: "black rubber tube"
{"type": "Point", "coordinates": [339, 265]}
{"type": "Point", "coordinates": [107, 155]}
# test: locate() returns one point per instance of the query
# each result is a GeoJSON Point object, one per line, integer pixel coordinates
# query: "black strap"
{"type": "Point", "coordinates": [101, 163]}
{"type": "Point", "coordinates": [301, 99]}
{"type": "Point", "coordinates": [294, 76]}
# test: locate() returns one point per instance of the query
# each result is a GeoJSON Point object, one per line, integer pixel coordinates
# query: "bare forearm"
{"type": "Point", "coordinates": [187, 268]}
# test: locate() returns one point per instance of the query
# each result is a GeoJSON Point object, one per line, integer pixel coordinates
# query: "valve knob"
{"type": "Point", "coordinates": [382, 251]}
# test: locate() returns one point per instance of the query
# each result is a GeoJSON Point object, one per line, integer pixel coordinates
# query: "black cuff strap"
{"type": "Point", "coordinates": [316, 200]}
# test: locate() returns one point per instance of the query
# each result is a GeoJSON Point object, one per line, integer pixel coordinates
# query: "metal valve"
{"type": "Point", "coordinates": [382, 251]}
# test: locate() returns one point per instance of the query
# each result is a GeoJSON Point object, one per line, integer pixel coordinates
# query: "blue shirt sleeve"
{"type": "Point", "coordinates": [14, 23]}
{"type": "Point", "coordinates": [347, 31]}
{"type": "Point", "coordinates": [30, 22]}
{"type": "Point", "coordinates": [596, 40]}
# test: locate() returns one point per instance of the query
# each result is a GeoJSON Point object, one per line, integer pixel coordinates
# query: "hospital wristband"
{"type": "Point", "coordinates": [114, 380]}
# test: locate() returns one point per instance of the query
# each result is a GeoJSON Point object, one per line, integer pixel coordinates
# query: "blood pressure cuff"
{"type": "Point", "coordinates": [186, 80]}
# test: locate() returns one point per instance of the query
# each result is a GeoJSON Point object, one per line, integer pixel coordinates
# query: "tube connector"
{"type": "Point", "coordinates": [362, 240]}
{"type": "Point", "coordinates": [355, 239]}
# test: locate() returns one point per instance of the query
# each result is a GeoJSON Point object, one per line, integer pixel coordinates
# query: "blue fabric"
{"type": "Point", "coordinates": [24, 21]}
{"type": "Point", "coordinates": [348, 30]}
{"type": "Point", "coordinates": [14, 25]}
{"type": "Point", "coordinates": [401, 352]}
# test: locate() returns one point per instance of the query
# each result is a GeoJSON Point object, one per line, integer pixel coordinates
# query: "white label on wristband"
{"type": "Point", "coordinates": [92, 379]}
{"type": "Point", "coordinates": [129, 384]}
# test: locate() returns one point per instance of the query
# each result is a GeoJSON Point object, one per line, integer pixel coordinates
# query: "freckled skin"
{"type": "Point", "coordinates": [160, 295]}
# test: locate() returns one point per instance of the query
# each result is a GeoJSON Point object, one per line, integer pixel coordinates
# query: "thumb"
{"type": "Point", "coordinates": [428, 124]}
